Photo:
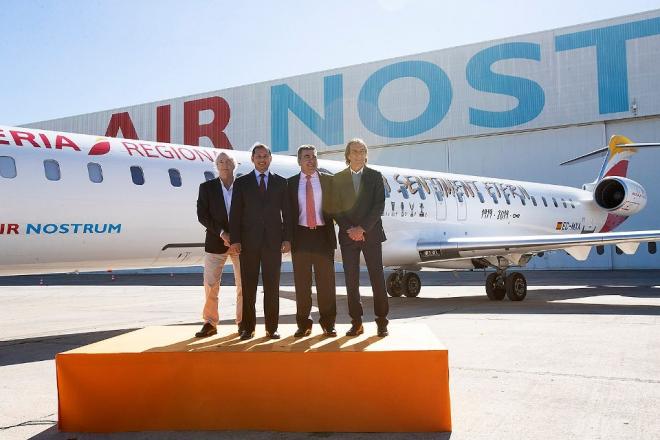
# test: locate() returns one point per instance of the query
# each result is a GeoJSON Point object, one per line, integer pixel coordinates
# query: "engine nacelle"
{"type": "Point", "coordinates": [620, 196]}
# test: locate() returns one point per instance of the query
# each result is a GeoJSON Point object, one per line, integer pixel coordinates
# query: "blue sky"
{"type": "Point", "coordinates": [66, 57]}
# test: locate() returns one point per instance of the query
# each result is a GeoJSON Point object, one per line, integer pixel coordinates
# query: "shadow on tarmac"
{"type": "Point", "coordinates": [21, 351]}
{"type": "Point", "coordinates": [569, 301]}
{"type": "Point", "coordinates": [53, 434]}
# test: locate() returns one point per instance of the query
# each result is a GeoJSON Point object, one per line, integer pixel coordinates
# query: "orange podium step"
{"type": "Point", "coordinates": [163, 379]}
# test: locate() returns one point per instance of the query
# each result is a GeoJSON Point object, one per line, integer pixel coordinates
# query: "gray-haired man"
{"type": "Point", "coordinates": [213, 209]}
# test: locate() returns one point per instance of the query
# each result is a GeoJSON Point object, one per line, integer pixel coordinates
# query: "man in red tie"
{"type": "Point", "coordinates": [313, 242]}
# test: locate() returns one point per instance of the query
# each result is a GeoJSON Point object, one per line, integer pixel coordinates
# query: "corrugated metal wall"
{"type": "Point", "coordinates": [513, 108]}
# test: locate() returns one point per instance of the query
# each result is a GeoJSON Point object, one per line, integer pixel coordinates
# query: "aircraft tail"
{"type": "Point", "coordinates": [612, 187]}
{"type": "Point", "coordinates": [617, 156]}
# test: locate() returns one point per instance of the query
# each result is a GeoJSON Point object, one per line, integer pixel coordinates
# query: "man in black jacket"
{"type": "Point", "coordinates": [213, 209]}
{"type": "Point", "coordinates": [259, 225]}
{"type": "Point", "coordinates": [359, 203]}
{"type": "Point", "coordinates": [313, 242]}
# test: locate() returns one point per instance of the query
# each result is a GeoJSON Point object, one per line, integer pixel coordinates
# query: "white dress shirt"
{"type": "Point", "coordinates": [302, 199]}
{"type": "Point", "coordinates": [226, 194]}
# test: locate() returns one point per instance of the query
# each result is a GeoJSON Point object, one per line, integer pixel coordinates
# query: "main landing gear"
{"type": "Point", "coordinates": [403, 283]}
{"type": "Point", "coordinates": [513, 285]}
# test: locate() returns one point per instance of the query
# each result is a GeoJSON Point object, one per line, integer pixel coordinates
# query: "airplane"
{"type": "Point", "coordinates": [74, 203]}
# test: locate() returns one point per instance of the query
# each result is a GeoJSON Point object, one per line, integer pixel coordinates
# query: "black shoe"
{"type": "Point", "coordinates": [302, 332]}
{"type": "Point", "coordinates": [356, 329]}
{"type": "Point", "coordinates": [382, 331]}
{"type": "Point", "coordinates": [207, 330]}
{"type": "Point", "coordinates": [330, 332]}
{"type": "Point", "coordinates": [273, 335]}
{"type": "Point", "coordinates": [245, 335]}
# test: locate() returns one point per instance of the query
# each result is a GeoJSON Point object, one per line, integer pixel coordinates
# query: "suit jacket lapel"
{"type": "Point", "coordinates": [295, 183]}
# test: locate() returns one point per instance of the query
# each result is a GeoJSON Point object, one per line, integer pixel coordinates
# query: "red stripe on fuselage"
{"type": "Point", "coordinates": [612, 222]}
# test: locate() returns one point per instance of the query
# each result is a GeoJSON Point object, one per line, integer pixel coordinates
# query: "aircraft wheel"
{"type": "Point", "coordinates": [411, 284]}
{"type": "Point", "coordinates": [494, 290]}
{"type": "Point", "coordinates": [516, 286]}
{"type": "Point", "coordinates": [393, 285]}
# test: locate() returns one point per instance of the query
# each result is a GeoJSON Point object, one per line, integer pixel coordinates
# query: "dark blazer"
{"type": "Point", "coordinates": [212, 213]}
{"type": "Point", "coordinates": [326, 207]}
{"type": "Point", "coordinates": [362, 209]}
{"type": "Point", "coordinates": [258, 221]}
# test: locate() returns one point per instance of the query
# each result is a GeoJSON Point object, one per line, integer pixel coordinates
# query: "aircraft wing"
{"type": "Point", "coordinates": [577, 245]}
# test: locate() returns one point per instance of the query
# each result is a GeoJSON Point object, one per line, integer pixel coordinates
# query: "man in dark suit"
{"type": "Point", "coordinates": [359, 203]}
{"type": "Point", "coordinates": [313, 242]}
{"type": "Point", "coordinates": [213, 209]}
{"type": "Point", "coordinates": [259, 225]}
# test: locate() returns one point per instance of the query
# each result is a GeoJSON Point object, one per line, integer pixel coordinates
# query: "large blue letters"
{"type": "Point", "coordinates": [611, 60]}
{"type": "Point", "coordinates": [330, 130]}
{"type": "Point", "coordinates": [440, 95]}
{"type": "Point", "coordinates": [531, 98]}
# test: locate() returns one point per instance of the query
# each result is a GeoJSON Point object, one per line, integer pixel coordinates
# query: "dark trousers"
{"type": "Point", "coordinates": [269, 262]}
{"type": "Point", "coordinates": [312, 253]}
{"type": "Point", "coordinates": [373, 256]}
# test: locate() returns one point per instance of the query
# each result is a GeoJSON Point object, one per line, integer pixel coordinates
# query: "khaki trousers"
{"type": "Point", "coordinates": [213, 266]}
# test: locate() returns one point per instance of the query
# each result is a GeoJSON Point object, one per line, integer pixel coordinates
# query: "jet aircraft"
{"type": "Point", "coordinates": [73, 202]}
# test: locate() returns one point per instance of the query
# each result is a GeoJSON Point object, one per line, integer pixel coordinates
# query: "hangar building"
{"type": "Point", "coordinates": [512, 108]}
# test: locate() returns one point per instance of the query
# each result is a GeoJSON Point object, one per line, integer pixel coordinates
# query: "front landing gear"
{"type": "Point", "coordinates": [403, 283]}
{"type": "Point", "coordinates": [513, 285]}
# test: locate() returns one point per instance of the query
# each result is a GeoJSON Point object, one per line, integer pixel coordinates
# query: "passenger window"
{"type": "Point", "coordinates": [545, 202]}
{"type": "Point", "coordinates": [564, 202]}
{"type": "Point", "coordinates": [522, 199]}
{"type": "Point", "coordinates": [95, 172]}
{"type": "Point", "coordinates": [600, 250]}
{"type": "Point", "coordinates": [652, 247]}
{"type": "Point", "coordinates": [571, 202]}
{"type": "Point", "coordinates": [208, 175]}
{"type": "Point", "coordinates": [481, 197]}
{"type": "Point", "coordinates": [618, 251]}
{"type": "Point", "coordinates": [7, 167]}
{"type": "Point", "coordinates": [533, 200]}
{"type": "Point", "coordinates": [52, 170]}
{"type": "Point", "coordinates": [175, 177]}
{"type": "Point", "coordinates": [137, 175]}
{"type": "Point", "coordinates": [555, 202]}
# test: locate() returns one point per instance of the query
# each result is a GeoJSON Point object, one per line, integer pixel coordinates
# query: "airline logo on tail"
{"type": "Point", "coordinates": [617, 157]}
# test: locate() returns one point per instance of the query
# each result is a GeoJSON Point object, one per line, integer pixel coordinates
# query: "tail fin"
{"type": "Point", "coordinates": [616, 160]}
{"type": "Point", "coordinates": [617, 155]}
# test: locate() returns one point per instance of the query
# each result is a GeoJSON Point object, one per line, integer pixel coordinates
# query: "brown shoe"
{"type": "Point", "coordinates": [330, 332]}
{"type": "Point", "coordinates": [356, 329]}
{"type": "Point", "coordinates": [302, 332]}
{"type": "Point", "coordinates": [207, 330]}
{"type": "Point", "coordinates": [273, 335]}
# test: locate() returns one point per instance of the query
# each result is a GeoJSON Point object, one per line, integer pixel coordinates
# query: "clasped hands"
{"type": "Point", "coordinates": [236, 247]}
{"type": "Point", "coordinates": [356, 233]}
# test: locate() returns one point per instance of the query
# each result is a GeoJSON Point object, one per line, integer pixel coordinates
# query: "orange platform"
{"type": "Point", "coordinates": [162, 379]}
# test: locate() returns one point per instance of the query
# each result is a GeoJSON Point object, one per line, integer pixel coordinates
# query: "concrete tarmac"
{"type": "Point", "coordinates": [578, 359]}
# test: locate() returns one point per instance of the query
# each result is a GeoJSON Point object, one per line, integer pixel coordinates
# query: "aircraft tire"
{"type": "Point", "coordinates": [411, 284]}
{"type": "Point", "coordinates": [393, 285]}
{"type": "Point", "coordinates": [516, 286]}
{"type": "Point", "coordinates": [493, 291]}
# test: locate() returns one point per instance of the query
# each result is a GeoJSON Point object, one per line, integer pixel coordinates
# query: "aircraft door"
{"type": "Point", "coordinates": [461, 207]}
